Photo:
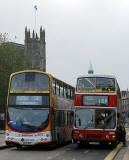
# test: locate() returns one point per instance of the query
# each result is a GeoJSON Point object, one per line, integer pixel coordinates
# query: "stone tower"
{"type": "Point", "coordinates": [35, 50]}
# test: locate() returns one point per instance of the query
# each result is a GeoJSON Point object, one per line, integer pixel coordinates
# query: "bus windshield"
{"type": "Point", "coordinates": [28, 119]}
{"type": "Point", "coordinates": [95, 118]}
{"type": "Point", "coordinates": [95, 83]}
{"type": "Point", "coordinates": [30, 81]}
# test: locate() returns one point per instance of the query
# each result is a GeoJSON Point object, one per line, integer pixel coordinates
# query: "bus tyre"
{"type": "Point", "coordinates": [19, 147]}
{"type": "Point", "coordinates": [80, 145]}
{"type": "Point", "coordinates": [113, 144]}
{"type": "Point", "coordinates": [58, 140]}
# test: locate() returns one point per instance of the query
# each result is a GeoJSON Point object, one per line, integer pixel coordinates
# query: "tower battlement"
{"type": "Point", "coordinates": [35, 50]}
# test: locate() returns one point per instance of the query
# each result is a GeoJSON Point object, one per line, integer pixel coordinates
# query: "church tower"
{"type": "Point", "coordinates": [35, 50]}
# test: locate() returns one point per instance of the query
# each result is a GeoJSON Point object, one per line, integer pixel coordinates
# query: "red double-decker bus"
{"type": "Point", "coordinates": [97, 105]}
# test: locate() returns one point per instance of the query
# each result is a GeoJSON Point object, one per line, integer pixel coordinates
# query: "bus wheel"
{"type": "Point", "coordinates": [58, 140]}
{"type": "Point", "coordinates": [113, 144]}
{"type": "Point", "coordinates": [19, 147]}
{"type": "Point", "coordinates": [80, 145]}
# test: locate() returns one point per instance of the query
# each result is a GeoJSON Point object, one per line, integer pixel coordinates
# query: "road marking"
{"type": "Point", "coordinates": [56, 155]}
{"type": "Point", "coordinates": [51, 157]}
{"type": "Point", "coordinates": [112, 154]}
{"type": "Point", "coordinates": [86, 152]}
{"type": "Point", "coordinates": [68, 149]}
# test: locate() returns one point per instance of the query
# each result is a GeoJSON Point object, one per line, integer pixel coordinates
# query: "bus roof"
{"type": "Point", "coordinates": [97, 75]}
{"type": "Point", "coordinates": [29, 71]}
{"type": "Point", "coordinates": [50, 75]}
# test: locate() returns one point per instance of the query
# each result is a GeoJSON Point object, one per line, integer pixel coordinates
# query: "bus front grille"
{"type": "Point", "coordinates": [94, 136]}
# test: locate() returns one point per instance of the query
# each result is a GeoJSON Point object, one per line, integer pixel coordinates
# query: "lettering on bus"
{"type": "Point", "coordinates": [94, 100]}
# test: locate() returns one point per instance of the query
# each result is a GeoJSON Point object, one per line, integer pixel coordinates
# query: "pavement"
{"type": "Point", "coordinates": [123, 153]}
{"type": "Point", "coordinates": [2, 139]}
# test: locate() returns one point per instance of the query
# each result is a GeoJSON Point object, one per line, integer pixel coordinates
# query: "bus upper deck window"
{"type": "Point", "coordinates": [30, 81]}
{"type": "Point", "coordinates": [29, 77]}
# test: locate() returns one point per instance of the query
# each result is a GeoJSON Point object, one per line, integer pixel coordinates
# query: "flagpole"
{"type": "Point", "coordinates": [35, 7]}
{"type": "Point", "coordinates": [35, 20]}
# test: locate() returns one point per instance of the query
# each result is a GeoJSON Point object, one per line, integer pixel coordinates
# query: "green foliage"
{"type": "Point", "coordinates": [11, 60]}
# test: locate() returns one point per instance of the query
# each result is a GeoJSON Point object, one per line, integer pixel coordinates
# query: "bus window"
{"type": "Point", "coordinates": [53, 86]}
{"type": "Point", "coordinates": [57, 118]}
{"type": "Point", "coordinates": [85, 83]}
{"type": "Point", "coordinates": [57, 88]}
{"type": "Point", "coordinates": [61, 89]}
{"type": "Point", "coordinates": [72, 93]}
{"type": "Point", "coordinates": [60, 118]}
{"type": "Point", "coordinates": [96, 83]}
{"type": "Point", "coordinates": [70, 117]}
{"type": "Point", "coordinates": [30, 81]}
{"type": "Point", "coordinates": [105, 83]}
{"type": "Point", "coordinates": [68, 92]}
{"type": "Point", "coordinates": [65, 91]}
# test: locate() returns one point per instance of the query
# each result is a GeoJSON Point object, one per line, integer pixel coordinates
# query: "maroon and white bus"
{"type": "Point", "coordinates": [97, 103]}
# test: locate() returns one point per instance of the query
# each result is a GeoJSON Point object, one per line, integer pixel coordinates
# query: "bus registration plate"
{"type": "Point", "coordinates": [27, 141]}
{"type": "Point", "coordinates": [93, 142]}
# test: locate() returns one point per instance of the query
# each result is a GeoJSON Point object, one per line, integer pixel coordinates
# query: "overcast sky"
{"type": "Point", "coordinates": [77, 32]}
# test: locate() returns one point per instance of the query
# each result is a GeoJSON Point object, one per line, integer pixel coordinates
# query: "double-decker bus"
{"type": "Point", "coordinates": [97, 106]}
{"type": "Point", "coordinates": [39, 109]}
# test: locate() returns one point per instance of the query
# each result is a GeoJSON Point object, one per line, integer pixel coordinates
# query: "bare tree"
{"type": "Point", "coordinates": [4, 37]}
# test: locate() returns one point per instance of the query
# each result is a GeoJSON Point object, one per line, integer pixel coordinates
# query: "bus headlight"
{"type": "Point", "coordinates": [107, 136]}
